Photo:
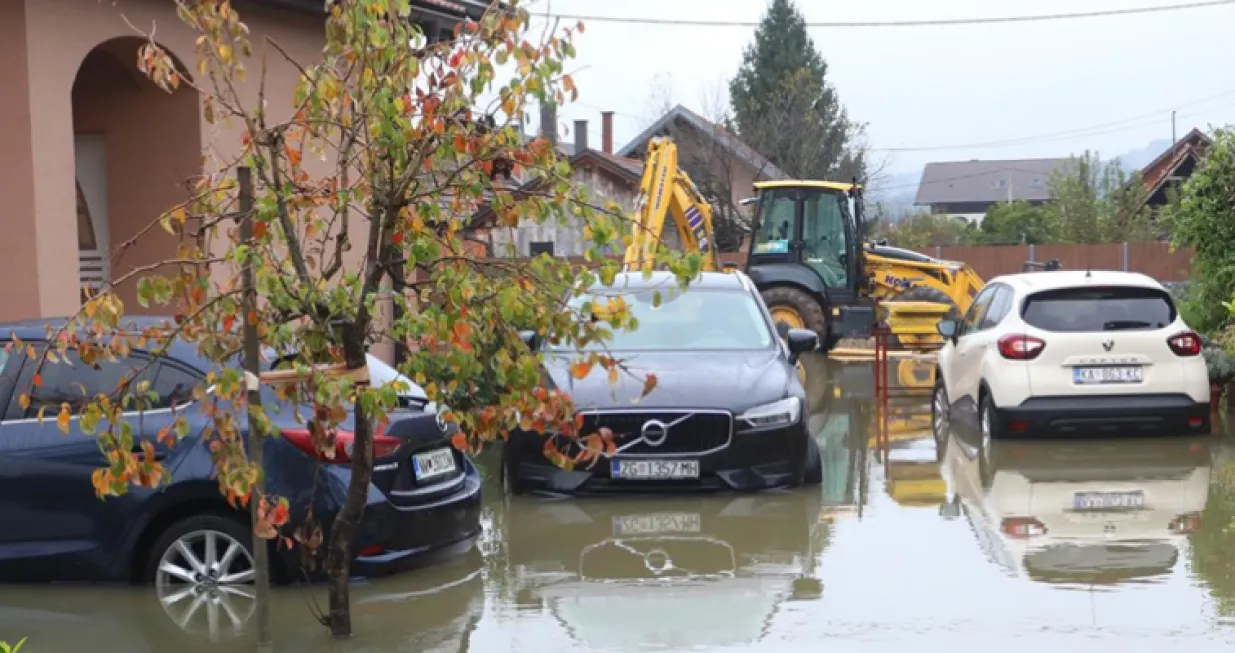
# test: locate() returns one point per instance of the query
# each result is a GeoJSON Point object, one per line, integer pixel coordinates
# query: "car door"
{"type": "Point", "coordinates": [58, 527]}
{"type": "Point", "coordinates": [966, 357]}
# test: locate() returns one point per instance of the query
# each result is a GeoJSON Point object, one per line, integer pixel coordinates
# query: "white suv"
{"type": "Point", "coordinates": [1071, 352]}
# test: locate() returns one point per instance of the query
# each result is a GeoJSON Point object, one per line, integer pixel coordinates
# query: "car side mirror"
{"type": "Point", "coordinates": [947, 329]}
{"type": "Point", "coordinates": [800, 342]}
{"type": "Point", "coordinates": [530, 338]}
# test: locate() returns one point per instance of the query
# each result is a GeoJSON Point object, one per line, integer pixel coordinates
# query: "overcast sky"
{"type": "Point", "coordinates": [1114, 80]}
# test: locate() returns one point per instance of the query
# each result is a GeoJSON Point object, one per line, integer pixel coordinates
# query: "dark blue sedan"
{"type": "Point", "coordinates": [423, 505]}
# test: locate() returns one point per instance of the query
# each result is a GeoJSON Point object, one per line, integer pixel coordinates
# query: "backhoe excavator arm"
{"type": "Point", "coordinates": [668, 190]}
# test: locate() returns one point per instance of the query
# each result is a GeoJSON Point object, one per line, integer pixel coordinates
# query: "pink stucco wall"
{"type": "Point", "coordinates": [152, 140]}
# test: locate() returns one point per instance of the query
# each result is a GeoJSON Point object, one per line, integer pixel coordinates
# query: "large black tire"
{"type": "Point", "coordinates": [813, 315]}
{"type": "Point", "coordinates": [933, 295]}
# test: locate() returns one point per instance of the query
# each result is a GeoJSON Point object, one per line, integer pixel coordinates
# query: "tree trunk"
{"type": "Point", "coordinates": [343, 531]}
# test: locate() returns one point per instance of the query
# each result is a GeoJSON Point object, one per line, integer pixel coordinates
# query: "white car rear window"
{"type": "Point", "coordinates": [1073, 310]}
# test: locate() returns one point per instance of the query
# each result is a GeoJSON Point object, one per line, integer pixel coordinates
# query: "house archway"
{"type": "Point", "coordinates": [136, 148]}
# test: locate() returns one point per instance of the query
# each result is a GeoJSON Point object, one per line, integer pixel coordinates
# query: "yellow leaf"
{"type": "Point", "coordinates": [24, 400]}
{"type": "Point", "coordinates": [613, 375]}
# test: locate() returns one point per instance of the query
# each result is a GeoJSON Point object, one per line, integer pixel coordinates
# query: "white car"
{"type": "Point", "coordinates": [1071, 352]}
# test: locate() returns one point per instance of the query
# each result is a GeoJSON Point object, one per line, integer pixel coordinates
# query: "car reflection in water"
{"type": "Point", "coordinates": [1083, 512]}
{"type": "Point", "coordinates": [433, 609]}
{"type": "Point", "coordinates": [681, 573]}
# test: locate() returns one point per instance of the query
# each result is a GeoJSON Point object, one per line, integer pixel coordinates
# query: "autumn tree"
{"type": "Point", "coordinates": [404, 145]}
{"type": "Point", "coordinates": [1097, 202]}
{"type": "Point", "coordinates": [785, 107]}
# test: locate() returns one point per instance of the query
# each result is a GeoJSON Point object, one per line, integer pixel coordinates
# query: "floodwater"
{"type": "Point", "coordinates": [910, 540]}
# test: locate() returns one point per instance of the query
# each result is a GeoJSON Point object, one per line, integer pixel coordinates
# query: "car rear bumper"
{"type": "Point", "coordinates": [1108, 415]}
{"type": "Point", "coordinates": [394, 537]}
{"type": "Point", "coordinates": [751, 462]}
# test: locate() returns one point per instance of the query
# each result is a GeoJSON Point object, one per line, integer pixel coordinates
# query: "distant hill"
{"type": "Point", "coordinates": [1138, 159]}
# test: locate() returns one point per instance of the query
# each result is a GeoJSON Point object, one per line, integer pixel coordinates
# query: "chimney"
{"type": "Point", "coordinates": [606, 131]}
{"type": "Point", "coordinates": [580, 136]}
{"type": "Point", "coordinates": [548, 121]}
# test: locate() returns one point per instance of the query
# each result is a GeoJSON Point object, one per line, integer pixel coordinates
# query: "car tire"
{"type": "Point", "coordinates": [812, 473]}
{"type": "Point", "coordinates": [224, 530]}
{"type": "Point", "coordinates": [941, 410]}
{"type": "Point", "coordinates": [989, 426]}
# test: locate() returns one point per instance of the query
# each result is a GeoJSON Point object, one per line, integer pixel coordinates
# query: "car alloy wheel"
{"type": "Point", "coordinates": [205, 575]}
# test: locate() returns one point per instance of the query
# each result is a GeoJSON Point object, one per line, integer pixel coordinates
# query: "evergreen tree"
{"type": "Point", "coordinates": [783, 106]}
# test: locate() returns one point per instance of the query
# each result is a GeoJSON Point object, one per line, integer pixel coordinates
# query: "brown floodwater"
{"type": "Point", "coordinates": [1066, 545]}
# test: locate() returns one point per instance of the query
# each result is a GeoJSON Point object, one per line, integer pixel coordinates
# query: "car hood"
{"type": "Point", "coordinates": [728, 380]}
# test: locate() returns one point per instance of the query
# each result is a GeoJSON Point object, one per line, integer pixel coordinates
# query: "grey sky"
{"type": "Point", "coordinates": [935, 86]}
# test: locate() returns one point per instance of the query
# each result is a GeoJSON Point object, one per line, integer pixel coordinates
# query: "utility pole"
{"type": "Point", "coordinates": [1172, 128]}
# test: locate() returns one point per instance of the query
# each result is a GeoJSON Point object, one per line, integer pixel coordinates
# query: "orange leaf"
{"type": "Point", "coordinates": [228, 322]}
{"type": "Point", "coordinates": [580, 369]}
{"type": "Point", "coordinates": [613, 375]}
{"type": "Point", "coordinates": [649, 384]}
{"type": "Point", "coordinates": [62, 420]}
{"type": "Point", "coordinates": [459, 441]}
{"type": "Point", "coordinates": [38, 379]}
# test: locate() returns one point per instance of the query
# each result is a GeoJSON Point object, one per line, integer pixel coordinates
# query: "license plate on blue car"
{"type": "Point", "coordinates": [432, 464]}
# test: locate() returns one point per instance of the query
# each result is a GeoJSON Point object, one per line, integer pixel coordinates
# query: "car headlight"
{"type": "Point", "coordinates": [778, 413]}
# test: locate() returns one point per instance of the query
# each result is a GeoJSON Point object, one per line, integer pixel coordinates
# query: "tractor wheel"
{"type": "Point", "coordinates": [796, 310]}
{"type": "Point", "coordinates": [926, 294]}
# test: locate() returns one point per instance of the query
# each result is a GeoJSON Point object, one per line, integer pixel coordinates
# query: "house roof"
{"type": "Point", "coordinates": [456, 9]}
{"type": "Point", "coordinates": [625, 168]}
{"type": "Point", "coordinates": [765, 167]}
{"type": "Point", "coordinates": [1156, 173]}
{"type": "Point", "coordinates": [955, 182]}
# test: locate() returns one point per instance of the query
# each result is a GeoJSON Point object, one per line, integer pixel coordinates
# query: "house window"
{"type": "Point", "coordinates": [1036, 183]}
{"type": "Point", "coordinates": [1001, 184]}
{"type": "Point", "coordinates": [541, 247]}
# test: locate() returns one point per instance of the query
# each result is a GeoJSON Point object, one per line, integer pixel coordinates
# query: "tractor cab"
{"type": "Point", "coordinates": [807, 239]}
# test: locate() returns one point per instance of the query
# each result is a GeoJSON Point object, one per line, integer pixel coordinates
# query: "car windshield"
{"type": "Point", "coordinates": [694, 320]}
{"type": "Point", "coordinates": [1073, 310]}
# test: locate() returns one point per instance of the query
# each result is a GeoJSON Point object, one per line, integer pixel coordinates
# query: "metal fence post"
{"type": "Point", "coordinates": [1032, 256]}
{"type": "Point", "coordinates": [1125, 256]}
{"type": "Point", "coordinates": [938, 251]}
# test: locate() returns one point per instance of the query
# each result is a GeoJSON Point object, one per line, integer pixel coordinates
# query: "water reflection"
{"type": "Point", "coordinates": [432, 610]}
{"type": "Point", "coordinates": [676, 573]}
{"type": "Point", "coordinates": [1080, 512]}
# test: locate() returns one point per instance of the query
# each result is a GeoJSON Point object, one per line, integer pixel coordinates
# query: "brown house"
{"type": "Point", "coordinates": [93, 148]}
{"type": "Point", "coordinates": [1173, 166]}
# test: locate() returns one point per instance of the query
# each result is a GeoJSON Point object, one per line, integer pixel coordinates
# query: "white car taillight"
{"type": "Point", "coordinates": [1020, 348]}
{"type": "Point", "coordinates": [1185, 344]}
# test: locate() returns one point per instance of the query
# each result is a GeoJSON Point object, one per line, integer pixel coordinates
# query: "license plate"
{"type": "Point", "coordinates": [656, 523]}
{"type": "Point", "coordinates": [1103, 375]}
{"type": "Point", "coordinates": [432, 464]}
{"type": "Point", "coordinates": [1108, 500]}
{"type": "Point", "coordinates": [655, 470]}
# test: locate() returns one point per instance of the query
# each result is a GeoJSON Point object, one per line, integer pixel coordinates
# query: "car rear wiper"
{"type": "Point", "coordinates": [1116, 325]}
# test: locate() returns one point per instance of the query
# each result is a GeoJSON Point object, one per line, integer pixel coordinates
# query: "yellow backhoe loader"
{"type": "Point", "coordinates": [809, 256]}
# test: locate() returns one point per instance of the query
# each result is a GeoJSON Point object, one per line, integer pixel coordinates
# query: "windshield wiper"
{"type": "Point", "coordinates": [1116, 325]}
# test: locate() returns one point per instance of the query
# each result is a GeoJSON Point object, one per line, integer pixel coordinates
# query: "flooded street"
{"type": "Point", "coordinates": [1031, 545]}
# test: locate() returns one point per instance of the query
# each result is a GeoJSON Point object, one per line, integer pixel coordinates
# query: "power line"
{"type": "Point", "coordinates": [939, 22]}
{"type": "Point", "coordinates": [1142, 120]}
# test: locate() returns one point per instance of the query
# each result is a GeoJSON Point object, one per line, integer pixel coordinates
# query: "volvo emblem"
{"type": "Point", "coordinates": [1108, 344]}
{"type": "Point", "coordinates": [654, 432]}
